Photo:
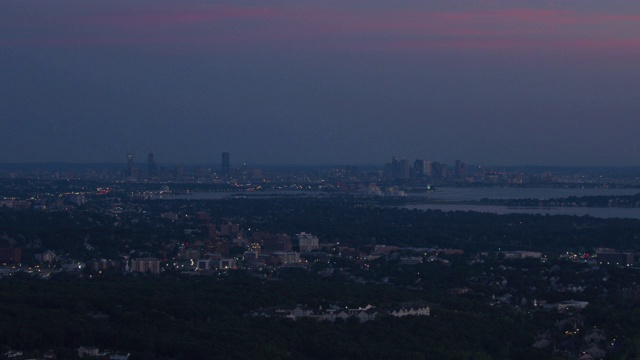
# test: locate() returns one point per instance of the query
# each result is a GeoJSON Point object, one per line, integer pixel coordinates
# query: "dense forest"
{"type": "Point", "coordinates": [175, 316]}
{"type": "Point", "coordinates": [199, 318]}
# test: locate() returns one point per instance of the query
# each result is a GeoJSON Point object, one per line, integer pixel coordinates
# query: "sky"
{"type": "Point", "coordinates": [321, 82]}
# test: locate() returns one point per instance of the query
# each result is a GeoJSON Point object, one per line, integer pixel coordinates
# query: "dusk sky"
{"type": "Point", "coordinates": [321, 82]}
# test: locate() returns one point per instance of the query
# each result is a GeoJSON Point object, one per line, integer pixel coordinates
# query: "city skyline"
{"type": "Point", "coordinates": [144, 162]}
{"type": "Point", "coordinates": [500, 82]}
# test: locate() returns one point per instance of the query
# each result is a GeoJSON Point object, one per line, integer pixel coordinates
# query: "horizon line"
{"type": "Point", "coordinates": [110, 163]}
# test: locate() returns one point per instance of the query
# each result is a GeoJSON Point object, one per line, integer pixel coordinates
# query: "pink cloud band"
{"type": "Point", "coordinates": [304, 26]}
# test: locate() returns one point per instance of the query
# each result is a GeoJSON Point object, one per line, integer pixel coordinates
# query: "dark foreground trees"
{"type": "Point", "coordinates": [201, 318]}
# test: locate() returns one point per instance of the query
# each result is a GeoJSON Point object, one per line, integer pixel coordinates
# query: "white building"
{"type": "Point", "coordinates": [307, 242]}
{"type": "Point", "coordinates": [418, 311]}
{"type": "Point", "coordinates": [204, 264]}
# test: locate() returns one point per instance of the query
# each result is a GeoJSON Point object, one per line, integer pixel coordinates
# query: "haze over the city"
{"type": "Point", "coordinates": [321, 82]}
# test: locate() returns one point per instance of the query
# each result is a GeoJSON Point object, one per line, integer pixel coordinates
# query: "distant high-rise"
{"type": "Point", "coordinates": [422, 168]}
{"type": "Point", "coordinates": [152, 168]}
{"type": "Point", "coordinates": [129, 164]}
{"type": "Point", "coordinates": [461, 169]}
{"type": "Point", "coordinates": [226, 167]}
{"type": "Point", "coordinates": [400, 168]}
{"type": "Point", "coordinates": [438, 170]}
{"type": "Point", "coordinates": [179, 172]}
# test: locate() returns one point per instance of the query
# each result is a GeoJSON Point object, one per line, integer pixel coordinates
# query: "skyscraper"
{"type": "Point", "coordinates": [437, 170]}
{"type": "Point", "coordinates": [152, 168]}
{"type": "Point", "coordinates": [129, 164]}
{"type": "Point", "coordinates": [422, 168]}
{"type": "Point", "coordinates": [461, 169]}
{"type": "Point", "coordinates": [400, 168]}
{"type": "Point", "coordinates": [225, 164]}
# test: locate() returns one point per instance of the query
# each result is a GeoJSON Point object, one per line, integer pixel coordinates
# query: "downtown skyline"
{"type": "Point", "coordinates": [499, 82]}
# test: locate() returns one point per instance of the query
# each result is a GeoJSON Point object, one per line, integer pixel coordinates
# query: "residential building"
{"type": "Point", "coordinates": [307, 242]}
{"type": "Point", "coordinates": [146, 265]}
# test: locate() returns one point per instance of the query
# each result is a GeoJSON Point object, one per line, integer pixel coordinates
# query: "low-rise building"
{"type": "Point", "coordinates": [144, 265]}
{"type": "Point", "coordinates": [287, 257]}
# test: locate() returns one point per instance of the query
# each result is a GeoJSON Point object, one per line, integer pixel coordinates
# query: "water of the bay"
{"type": "Point", "coordinates": [479, 193]}
{"type": "Point", "coordinates": [474, 194]}
{"type": "Point", "coordinates": [460, 194]}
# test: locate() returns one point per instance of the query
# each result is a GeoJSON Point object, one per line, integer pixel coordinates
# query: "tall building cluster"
{"type": "Point", "coordinates": [401, 169]}
{"type": "Point", "coordinates": [178, 173]}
